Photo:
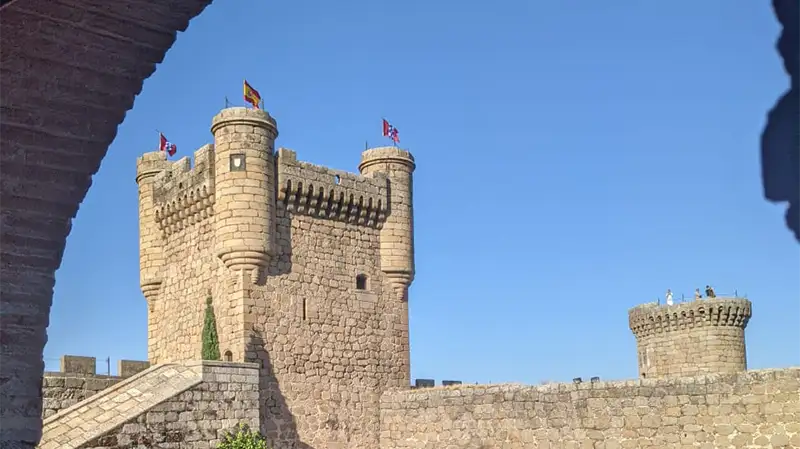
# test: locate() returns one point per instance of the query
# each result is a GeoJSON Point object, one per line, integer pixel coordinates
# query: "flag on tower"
{"type": "Point", "coordinates": [251, 95]}
{"type": "Point", "coordinates": [390, 131]}
{"type": "Point", "coordinates": [166, 145]}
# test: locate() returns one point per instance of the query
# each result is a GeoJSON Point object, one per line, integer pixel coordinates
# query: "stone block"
{"type": "Point", "coordinates": [78, 364]}
{"type": "Point", "coordinates": [127, 368]}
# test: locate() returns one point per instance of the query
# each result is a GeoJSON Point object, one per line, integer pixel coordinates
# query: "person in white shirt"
{"type": "Point", "coordinates": [669, 297]}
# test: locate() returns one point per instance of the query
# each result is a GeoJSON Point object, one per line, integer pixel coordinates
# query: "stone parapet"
{"type": "Point", "coordinates": [651, 318]}
{"type": "Point", "coordinates": [322, 192]}
{"type": "Point", "coordinates": [757, 409]}
{"type": "Point", "coordinates": [182, 195]}
{"type": "Point", "coordinates": [199, 401]}
{"type": "Point", "coordinates": [77, 380]}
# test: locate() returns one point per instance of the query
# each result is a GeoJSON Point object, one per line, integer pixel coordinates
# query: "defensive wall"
{"type": "Point", "coordinates": [756, 409]}
{"type": "Point", "coordinates": [189, 405]}
{"type": "Point", "coordinates": [77, 380]}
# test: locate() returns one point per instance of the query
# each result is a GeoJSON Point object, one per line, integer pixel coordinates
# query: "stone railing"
{"type": "Point", "coordinates": [77, 380]}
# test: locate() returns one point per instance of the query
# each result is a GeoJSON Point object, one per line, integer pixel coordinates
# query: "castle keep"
{"type": "Point", "coordinates": [308, 268]}
{"type": "Point", "coordinates": [308, 271]}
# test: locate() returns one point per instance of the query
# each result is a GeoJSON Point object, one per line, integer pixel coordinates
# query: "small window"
{"type": "Point", "coordinates": [361, 282]}
{"type": "Point", "coordinates": [305, 309]}
{"type": "Point", "coordinates": [228, 356]}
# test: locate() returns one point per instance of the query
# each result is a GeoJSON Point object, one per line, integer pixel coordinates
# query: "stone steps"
{"type": "Point", "coordinates": [98, 414]}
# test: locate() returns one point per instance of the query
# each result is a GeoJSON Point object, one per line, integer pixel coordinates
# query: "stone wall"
{"type": "Point", "coordinates": [77, 381]}
{"type": "Point", "coordinates": [756, 409]}
{"type": "Point", "coordinates": [328, 348]}
{"type": "Point", "coordinates": [186, 406]}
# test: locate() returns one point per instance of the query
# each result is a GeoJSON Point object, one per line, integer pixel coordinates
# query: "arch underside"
{"type": "Point", "coordinates": [69, 72]}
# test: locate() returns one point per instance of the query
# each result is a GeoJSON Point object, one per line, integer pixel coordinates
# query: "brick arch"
{"type": "Point", "coordinates": [70, 70]}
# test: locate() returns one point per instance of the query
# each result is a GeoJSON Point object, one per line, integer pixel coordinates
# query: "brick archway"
{"type": "Point", "coordinates": [69, 70]}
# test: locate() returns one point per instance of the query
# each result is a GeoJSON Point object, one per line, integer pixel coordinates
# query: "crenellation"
{"type": "Point", "coordinates": [690, 338]}
{"type": "Point", "coordinates": [651, 318]}
{"type": "Point", "coordinates": [326, 193]}
{"type": "Point", "coordinates": [181, 178]}
{"type": "Point", "coordinates": [77, 380]}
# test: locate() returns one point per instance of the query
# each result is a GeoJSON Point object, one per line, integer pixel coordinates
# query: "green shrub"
{"type": "Point", "coordinates": [243, 438]}
{"type": "Point", "coordinates": [210, 349]}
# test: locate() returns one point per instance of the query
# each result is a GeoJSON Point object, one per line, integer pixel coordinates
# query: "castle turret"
{"type": "Point", "coordinates": [702, 336]}
{"type": "Point", "coordinates": [245, 188]}
{"type": "Point", "coordinates": [151, 255]}
{"type": "Point", "coordinates": [397, 234]}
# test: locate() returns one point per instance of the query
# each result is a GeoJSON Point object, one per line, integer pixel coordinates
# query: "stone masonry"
{"type": "Point", "coordinates": [77, 380]}
{"type": "Point", "coordinates": [308, 269]}
{"type": "Point", "coordinates": [697, 337]}
{"type": "Point", "coordinates": [756, 409]}
{"type": "Point", "coordinates": [187, 406]}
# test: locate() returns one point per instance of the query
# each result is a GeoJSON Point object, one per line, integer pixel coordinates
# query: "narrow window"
{"type": "Point", "coordinates": [305, 309]}
{"type": "Point", "coordinates": [361, 282]}
{"type": "Point", "coordinates": [228, 356]}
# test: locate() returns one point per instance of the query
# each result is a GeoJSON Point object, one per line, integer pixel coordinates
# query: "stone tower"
{"type": "Point", "coordinates": [308, 269]}
{"type": "Point", "coordinates": [397, 234]}
{"type": "Point", "coordinates": [687, 339]}
{"type": "Point", "coordinates": [244, 165]}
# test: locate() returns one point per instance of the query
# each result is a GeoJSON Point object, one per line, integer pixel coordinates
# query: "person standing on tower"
{"type": "Point", "coordinates": [710, 292]}
{"type": "Point", "coordinates": [669, 297]}
{"type": "Point", "coordinates": [697, 294]}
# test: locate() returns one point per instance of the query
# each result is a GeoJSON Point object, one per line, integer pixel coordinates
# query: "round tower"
{"type": "Point", "coordinates": [702, 336]}
{"type": "Point", "coordinates": [397, 233]}
{"type": "Point", "coordinates": [244, 168]}
{"type": "Point", "coordinates": [151, 257]}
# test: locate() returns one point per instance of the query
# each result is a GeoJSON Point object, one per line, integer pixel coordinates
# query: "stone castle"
{"type": "Point", "coordinates": [308, 271]}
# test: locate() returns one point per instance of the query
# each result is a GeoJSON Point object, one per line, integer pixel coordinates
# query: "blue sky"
{"type": "Point", "coordinates": [575, 159]}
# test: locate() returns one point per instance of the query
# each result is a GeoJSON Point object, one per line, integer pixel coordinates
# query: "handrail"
{"type": "Point", "coordinates": [682, 298]}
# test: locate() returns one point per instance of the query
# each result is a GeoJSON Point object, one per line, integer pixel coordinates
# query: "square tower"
{"type": "Point", "coordinates": [307, 267]}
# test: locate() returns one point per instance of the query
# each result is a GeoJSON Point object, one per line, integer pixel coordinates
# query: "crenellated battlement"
{"type": "Point", "coordinates": [184, 195]}
{"type": "Point", "coordinates": [702, 336]}
{"type": "Point", "coordinates": [87, 366]}
{"type": "Point", "coordinates": [314, 190]}
{"type": "Point", "coordinates": [651, 318]}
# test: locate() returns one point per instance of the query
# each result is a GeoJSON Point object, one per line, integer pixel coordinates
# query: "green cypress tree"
{"type": "Point", "coordinates": [210, 339]}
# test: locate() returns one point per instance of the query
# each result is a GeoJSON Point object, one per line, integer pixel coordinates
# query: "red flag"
{"type": "Point", "coordinates": [387, 128]}
{"type": "Point", "coordinates": [166, 145]}
{"type": "Point", "coordinates": [390, 131]}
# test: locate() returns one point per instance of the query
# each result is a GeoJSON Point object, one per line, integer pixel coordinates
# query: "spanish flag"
{"type": "Point", "coordinates": [251, 95]}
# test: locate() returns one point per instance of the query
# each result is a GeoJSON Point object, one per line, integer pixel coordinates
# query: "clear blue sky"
{"type": "Point", "coordinates": [575, 159]}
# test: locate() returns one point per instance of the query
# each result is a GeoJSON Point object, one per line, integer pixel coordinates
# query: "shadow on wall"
{"type": "Point", "coordinates": [780, 141]}
{"type": "Point", "coordinates": [277, 423]}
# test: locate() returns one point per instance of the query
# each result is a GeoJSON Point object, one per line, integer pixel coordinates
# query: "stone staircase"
{"type": "Point", "coordinates": [101, 413]}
